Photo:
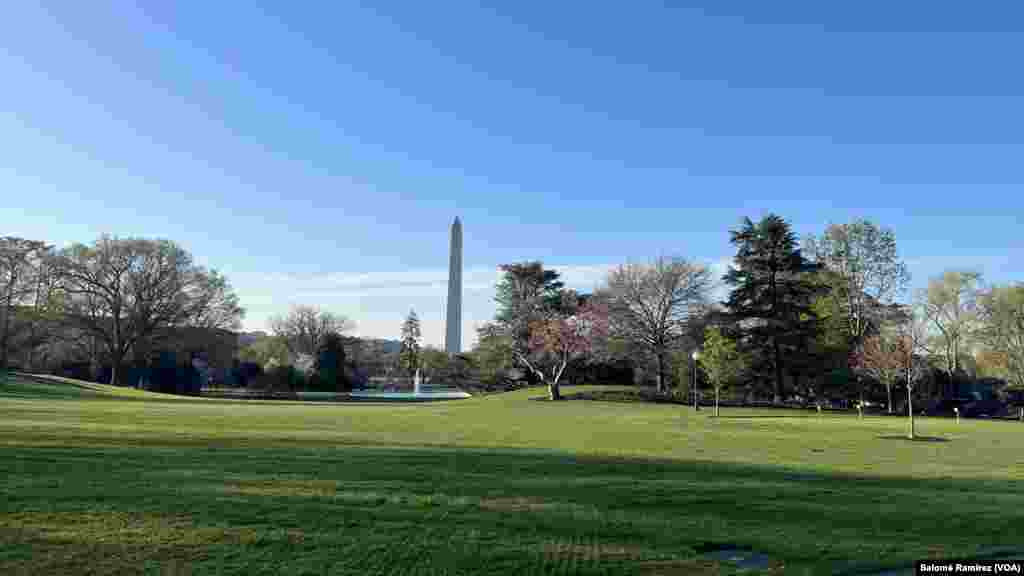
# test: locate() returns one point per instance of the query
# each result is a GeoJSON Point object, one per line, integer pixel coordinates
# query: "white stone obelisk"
{"type": "Point", "coordinates": [453, 323]}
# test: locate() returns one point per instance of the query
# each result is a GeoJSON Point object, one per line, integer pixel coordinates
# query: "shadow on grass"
{"type": "Point", "coordinates": [914, 439]}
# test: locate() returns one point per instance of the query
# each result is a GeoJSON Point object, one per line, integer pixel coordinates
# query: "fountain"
{"type": "Point", "coordinates": [419, 392]}
{"type": "Point", "coordinates": [453, 334]}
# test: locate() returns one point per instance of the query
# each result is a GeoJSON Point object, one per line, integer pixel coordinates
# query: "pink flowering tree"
{"type": "Point", "coordinates": [562, 338]}
{"type": "Point", "coordinates": [881, 357]}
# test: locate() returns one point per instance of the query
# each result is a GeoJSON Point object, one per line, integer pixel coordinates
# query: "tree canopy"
{"type": "Point", "coordinates": [1001, 310]}
{"type": "Point", "coordinates": [866, 272]}
{"type": "Point", "coordinates": [949, 306]}
{"type": "Point", "coordinates": [527, 293]}
{"type": "Point", "coordinates": [125, 291]}
{"type": "Point", "coordinates": [22, 263]}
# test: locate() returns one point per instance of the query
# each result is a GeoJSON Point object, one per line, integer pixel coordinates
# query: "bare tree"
{"type": "Point", "coordinates": [949, 306]}
{"type": "Point", "coordinates": [125, 291]}
{"type": "Point", "coordinates": [651, 304]}
{"type": "Point", "coordinates": [911, 334]}
{"type": "Point", "coordinates": [304, 327]}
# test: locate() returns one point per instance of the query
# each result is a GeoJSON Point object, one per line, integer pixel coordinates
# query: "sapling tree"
{"type": "Point", "coordinates": [911, 341]}
{"type": "Point", "coordinates": [722, 361]}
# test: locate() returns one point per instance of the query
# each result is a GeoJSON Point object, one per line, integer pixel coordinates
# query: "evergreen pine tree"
{"type": "Point", "coordinates": [772, 293]}
{"type": "Point", "coordinates": [409, 356]}
{"type": "Point", "coordinates": [330, 363]}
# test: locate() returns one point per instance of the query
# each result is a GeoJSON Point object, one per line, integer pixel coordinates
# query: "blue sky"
{"type": "Point", "coordinates": [318, 153]}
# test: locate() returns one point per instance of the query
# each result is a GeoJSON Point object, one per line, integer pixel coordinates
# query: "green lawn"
{"type": "Point", "coordinates": [99, 480]}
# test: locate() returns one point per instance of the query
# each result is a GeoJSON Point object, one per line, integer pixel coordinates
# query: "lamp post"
{"type": "Point", "coordinates": [695, 356]}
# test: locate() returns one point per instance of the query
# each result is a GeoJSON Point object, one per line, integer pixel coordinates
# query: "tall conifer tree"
{"type": "Point", "coordinates": [772, 293]}
{"type": "Point", "coordinates": [409, 357]}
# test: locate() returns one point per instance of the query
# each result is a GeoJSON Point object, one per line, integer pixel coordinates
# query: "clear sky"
{"type": "Point", "coordinates": [316, 153]}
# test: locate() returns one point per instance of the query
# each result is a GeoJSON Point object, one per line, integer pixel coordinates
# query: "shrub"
{"type": "Point", "coordinates": [166, 374]}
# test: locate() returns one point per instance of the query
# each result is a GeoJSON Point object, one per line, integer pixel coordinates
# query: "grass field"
{"type": "Point", "coordinates": [103, 481]}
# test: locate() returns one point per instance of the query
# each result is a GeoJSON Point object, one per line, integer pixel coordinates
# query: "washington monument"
{"type": "Point", "coordinates": [453, 324]}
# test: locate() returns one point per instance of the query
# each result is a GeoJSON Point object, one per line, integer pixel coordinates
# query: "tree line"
{"type": "Point", "coordinates": [292, 357]}
{"type": "Point", "coordinates": [110, 303]}
{"type": "Point", "coordinates": [827, 317]}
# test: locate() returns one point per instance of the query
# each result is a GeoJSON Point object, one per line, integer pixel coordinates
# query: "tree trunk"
{"type": "Point", "coordinates": [115, 369]}
{"type": "Point", "coordinates": [950, 363]}
{"type": "Point", "coordinates": [554, 390]}
{"type": "Point", "coordinates": [5, 327]}
{"type": "Point", "coordinates": [778, 370]}
{"type": "Point", "coordinates": [956, 355]}
{"type": "Point", "coordinates": [116, 356]}
{"type": "Point", "coordinates": [94, 360]}
{"type": "Point", "coordinates": [716, 402]}
{"type": "Point", "coordinates": [888, 389]}
{"type": "Point", "coordinates": [910, 410]}
{"type": "Point", "coordinates": [661, 372]}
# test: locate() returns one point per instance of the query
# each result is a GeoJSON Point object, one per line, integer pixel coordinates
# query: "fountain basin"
{"type": "Point", "coordinates": [439, 395]}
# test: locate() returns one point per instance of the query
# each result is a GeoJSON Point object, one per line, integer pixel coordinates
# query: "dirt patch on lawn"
{"type": "Point", "coordinates": [594, 552]}
{"type": "Point", "coordinates": [520, 504]}
{"type": "Point", "coordinates": [281, 487]}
